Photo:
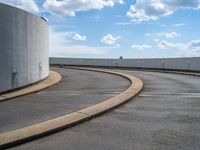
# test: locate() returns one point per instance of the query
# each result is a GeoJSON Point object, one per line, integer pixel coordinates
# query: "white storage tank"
{"type": "Point", "coordinates": [24, 48]}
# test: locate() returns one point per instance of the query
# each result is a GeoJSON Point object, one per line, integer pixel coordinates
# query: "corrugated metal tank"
{"type": "Point", "coordinates": [24, 46]}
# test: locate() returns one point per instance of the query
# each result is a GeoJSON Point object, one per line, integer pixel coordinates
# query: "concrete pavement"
{"type": "Point", "coordinates": [165, 115]}
{"type": "Point", "coordinates": [77, 90]}
{"type": "Point", "coordinates": [34, 131]}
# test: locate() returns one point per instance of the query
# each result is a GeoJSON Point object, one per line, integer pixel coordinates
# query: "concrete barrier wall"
{"type": "Point", "coordinates": [188, 64]}
{"type": "Point", "coordinates": [23, 48]}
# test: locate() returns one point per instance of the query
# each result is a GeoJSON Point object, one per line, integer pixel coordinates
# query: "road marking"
{"type": "Point", "coordinates": [81, 92]}
{"type": "Point", "coordinates": [152, 94]}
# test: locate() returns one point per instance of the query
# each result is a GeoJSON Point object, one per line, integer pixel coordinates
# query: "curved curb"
{"type": "Point", "coordinates": [19, 136]}
{"type": "Point", "coordinates": [52, 79]}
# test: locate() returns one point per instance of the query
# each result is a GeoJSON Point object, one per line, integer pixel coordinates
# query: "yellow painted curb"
{"type": "Point", "coordinates": [136, 86]}
{"type": "Point", "coordinates": [19, 136]}
{"type": "Point", "coordinates": [52, 79]}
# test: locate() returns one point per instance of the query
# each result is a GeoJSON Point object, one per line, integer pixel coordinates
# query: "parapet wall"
{"type": "Point", "coordinates": [187, 64]}
{"type": "Point", "coordinates": [23, 48]}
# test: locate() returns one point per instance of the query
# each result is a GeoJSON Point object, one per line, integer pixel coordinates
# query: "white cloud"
{"type": "Point", "coordinates": [144, 10]}
{"type": "Point", "coordinates": [28, 5]}
{"type": "Point", "coordinates": [79, 37]}
{"type": "Point", "coordinates": [172, 35]}
{"type": "Point", "coordinates": [123, 23]}
{"type": "Point", "coordinates": [183, 3]}
{"type": "Point", "coordinates": [141, 47]}
{"type": "Point", "coordinates": [109, 39]}
{"type": "Point", "coordinates": [71, 7]}
{"type": "Point", "coordinates": [168, 45]}
{"type": "Point", "coordinates": [168, 35]}
{"type": "Point", "coordinates": [195, 44]}
{"type": "Point", "coordinates": [120, 1]}
{"type": "Point", "coordinates": [117, 46]}
{"type": "Point", "coordinates": [186, 49]}
{"type": "Point", "coordinates": [193, 48]}
{"type": "Point", "coordinates": [160, 33]}
{"type": "Point", "coordinates": [178, 25]}
{"type": "Point", "coordinates": [165, 45]}
{"type": "Point", "coordinates": [148, 10]}
{"type": "Point", "coordinates": [147, 34]}
{"type": "Point", "coordinates": [156, 40]}
{"type": "Point", "coordinates": [61, 47]}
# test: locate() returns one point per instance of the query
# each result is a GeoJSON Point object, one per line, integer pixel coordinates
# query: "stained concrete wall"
{"type": "Point", "coordinates": [188, 64]}
{"type": "Point", "coordinates": [23, 48]}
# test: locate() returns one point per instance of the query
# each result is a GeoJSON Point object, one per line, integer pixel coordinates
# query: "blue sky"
{"type": "Point", "coordinates": [114, 28]}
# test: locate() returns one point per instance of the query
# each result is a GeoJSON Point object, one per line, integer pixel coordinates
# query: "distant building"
{"type": "Point", "coordinates": [23, 48]}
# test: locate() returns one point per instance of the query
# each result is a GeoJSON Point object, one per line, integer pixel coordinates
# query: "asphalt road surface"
{"type": "Point", "coordinates": [77, 90]}
{"type": "Point", "coordinates": [164, 116]}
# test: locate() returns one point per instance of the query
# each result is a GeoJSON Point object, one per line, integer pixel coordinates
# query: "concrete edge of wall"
{"type": "Point", "coordinates": [180, 64]}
